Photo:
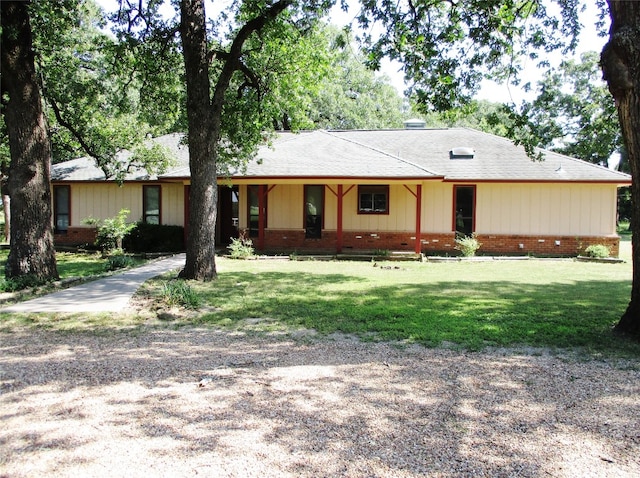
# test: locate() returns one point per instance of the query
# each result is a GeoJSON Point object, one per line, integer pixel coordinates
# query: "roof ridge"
{"type": "Point", "coordinates": [377, 150]}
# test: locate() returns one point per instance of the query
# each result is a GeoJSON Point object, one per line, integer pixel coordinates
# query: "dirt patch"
{"type": "Point", "coordinates": [213, 403]}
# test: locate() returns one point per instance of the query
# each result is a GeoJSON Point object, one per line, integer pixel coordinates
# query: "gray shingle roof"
{"type": "Point", "coordinates": [327, 154]}
{"type": "Point", "coordinates": [85, 169]}
{"type": "Point", "coordinates": [391, 154]}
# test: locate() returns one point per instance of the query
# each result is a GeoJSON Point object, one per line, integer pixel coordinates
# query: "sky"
{"type": "Point", "coordinates": [589, 41]}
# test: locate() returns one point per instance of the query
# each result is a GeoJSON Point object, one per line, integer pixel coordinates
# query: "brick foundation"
{"type": "Point", "coordinates": [440, 243]}
{"type": "Point", "coordinates": [545, 245]}
{"type": "Point", "coordinates": [76, 236]}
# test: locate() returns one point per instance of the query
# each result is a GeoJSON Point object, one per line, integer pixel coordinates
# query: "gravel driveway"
{"type": "Point", "coordinates": [196, 402]}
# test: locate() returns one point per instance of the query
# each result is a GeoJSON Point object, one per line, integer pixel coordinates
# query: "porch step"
{"type": "Point", "coordinates": [392, 256]}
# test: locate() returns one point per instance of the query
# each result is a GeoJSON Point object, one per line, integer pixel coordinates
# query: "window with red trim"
{"type": "Point", "coordinates": [373, 199]}
{"type": "Point", "coordinates": [464, 209]}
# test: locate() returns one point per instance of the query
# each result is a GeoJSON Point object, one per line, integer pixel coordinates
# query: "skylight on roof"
{"type": "Point", "coordinates": [462, 152]}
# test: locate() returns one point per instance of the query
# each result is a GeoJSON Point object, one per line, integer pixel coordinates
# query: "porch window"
{"type": "Point", "coordinates": [313, 211]}
{"type": "Point", "coordinates": [151, 204]}
{"type": "Point", "coordinates": [464, 212]}
{"type": "Point", "coordinates": [373, 199]}
{"type": "Point", "coordinates": [254, 210]}
{"type": "Point", "coordinates": [61, 208]}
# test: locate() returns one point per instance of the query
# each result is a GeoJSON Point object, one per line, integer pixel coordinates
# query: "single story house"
{"type": "Point", "coordinates": [411, 189]}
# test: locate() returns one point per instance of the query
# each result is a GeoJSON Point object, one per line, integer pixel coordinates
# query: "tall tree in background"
{"type": "Point", "coordinates": [573, 113]}
{"type": "Point", "coordinates": [32, 252]}
{"type": "Point", "coordinates": [620, 61]}
{"type": "Point", "coordinates": [351, 96]}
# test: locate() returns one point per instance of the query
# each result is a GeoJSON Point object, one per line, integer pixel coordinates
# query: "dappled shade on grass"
{"type": "Point", "coordinates": [473, 305]}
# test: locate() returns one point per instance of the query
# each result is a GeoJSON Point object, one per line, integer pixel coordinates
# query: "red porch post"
{"type": "Point", "coordinates": [262, 196]}
{"type": "Point", "coordinates": [339, 225]}
{"type": "Point", "coordinates": [418, 195]}
{"type": "Point", "coordinates": [418, 247]}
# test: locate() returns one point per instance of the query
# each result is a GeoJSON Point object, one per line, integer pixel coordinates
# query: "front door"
{"type": "Point", "coordinates": [226, 219]}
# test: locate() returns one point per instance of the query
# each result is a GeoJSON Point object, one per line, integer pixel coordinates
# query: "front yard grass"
{"type": "Point", "coordinates": [73, 265]}
{"type": "Point", "coordinates": [535, 303]}
{"type": "Point", "coordinates": [469, 304]}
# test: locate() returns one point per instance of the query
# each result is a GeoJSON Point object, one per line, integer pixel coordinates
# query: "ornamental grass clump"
{"type": "Point", "coordinates": [180, 293]}
{"type": "Point", "coordinates": [117, 259]}
{"type": "Point", "coordinates": [241, 248]}
{"type": "Point", "coordinates": [468, 245]}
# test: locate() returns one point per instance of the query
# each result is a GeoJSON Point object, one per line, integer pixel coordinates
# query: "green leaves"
{"type": "Point", "coordinates": [448, 47]}
{"type": "Point", "coordinates": [573, 113]}
{"type": "Point", "coordinates": [98, 102]}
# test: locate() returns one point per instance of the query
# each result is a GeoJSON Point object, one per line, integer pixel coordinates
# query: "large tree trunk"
{"type": "Point", "coordinates": [32, 251]}
{"type": "Point", "coordinates": [204, 114]}
{"type": "Point", "coordinates": [203, 193]}
{"type": "Point", "coordinates": [620, 61]}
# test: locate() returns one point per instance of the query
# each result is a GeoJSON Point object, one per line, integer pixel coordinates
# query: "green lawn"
{"type": "Point", "coordinates": [72, 264]}
{"type": "Point", "coordinates": [472, 304]}
{"type": "Point", "coordinates": [540, 303]}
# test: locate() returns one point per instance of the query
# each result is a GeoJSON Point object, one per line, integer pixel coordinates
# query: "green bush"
{"type": "Point", "coordinates": [155, 238]}
{"type": "Point", "coordinates": [179, 293]}
{"type": "Point", "coordinates": [241, 248]}
{"type": "Point", "coordinates": [21, 282]}
{"type": "Point", "coordinates": [468, 245]}
{"type": "Point", "coordinates": [118, 260]}
{"type": "Point", "coordinates": [599, 251]}
{"type": "Point", "coordinates": [112, 231]}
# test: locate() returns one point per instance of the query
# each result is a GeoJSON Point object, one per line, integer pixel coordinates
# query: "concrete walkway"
{"type": "Point", "coordinates": [111, 294]}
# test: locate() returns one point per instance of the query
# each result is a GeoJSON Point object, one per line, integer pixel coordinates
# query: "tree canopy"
{"type": "Point", "coordinates": [93, 101]}
{"type": "Point", "coordinates": [573, 113]}
{"type": "Point", "coordinates": [350, 95]}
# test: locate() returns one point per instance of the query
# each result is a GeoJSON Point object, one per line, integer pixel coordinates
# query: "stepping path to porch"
{"type": "Point", "coordinates": [111, 294]}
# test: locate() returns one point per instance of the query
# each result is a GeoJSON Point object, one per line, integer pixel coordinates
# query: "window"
{"type": "Point", "coordinates": [151, 204]}
{"type": "Point", "coordinates": [61, 208]}
{"type": "Point", "coordinates": [313, 208]}
{"type": "Point", "coordinates": [464, 209]}
{"type": "Point", "coordinates": [373, 199]}
{"type": "Point", "coordinates": [254, 210]}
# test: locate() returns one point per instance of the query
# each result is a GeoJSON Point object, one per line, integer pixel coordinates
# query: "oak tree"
{"type": "Point", "coordinates": [620, 62]}
{"type": "Point", "coordinates": [31, 252]}
{"type": "Point", "coordinates": [231, 68]}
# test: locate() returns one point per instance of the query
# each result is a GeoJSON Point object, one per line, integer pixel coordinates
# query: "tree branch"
{"type": "Point", "coordinates": [232, 61]}
{"type": "Point", "coordinates": [79, 138]}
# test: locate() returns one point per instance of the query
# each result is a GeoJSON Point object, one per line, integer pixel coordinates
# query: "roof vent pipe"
{"type": "Point", "coordinates": [415, 123]}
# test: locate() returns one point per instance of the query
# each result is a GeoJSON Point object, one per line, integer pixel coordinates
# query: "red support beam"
{"type": "Point", "coordinates": [418, 248]}
{"type": "Point", "coordinates": [262, 199]}
{"type": "Point", "coordinates": [339, 225]}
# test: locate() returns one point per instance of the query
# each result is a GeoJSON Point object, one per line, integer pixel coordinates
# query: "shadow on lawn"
{"type": "Point", "coordinates": [471, 314]}
{"type": "Point", "coordinates": [331, 409]}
